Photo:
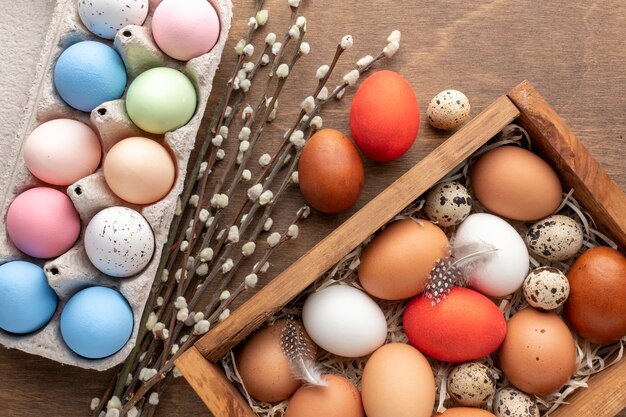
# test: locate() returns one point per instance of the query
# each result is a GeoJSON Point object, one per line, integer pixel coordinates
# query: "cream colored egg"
{"type": "Point", "coordinates": [471, 384]}
{"type": "Point", "coordinates": [546, 288]}
{"type": "Point", "coordinates": [448, 110]}
{"type": "Point", "coordinates": [555, 238]}
{"type": "Point", "coordinates": [509, 402]}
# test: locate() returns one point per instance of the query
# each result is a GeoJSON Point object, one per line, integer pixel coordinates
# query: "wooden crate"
{"type": "Point", "coordinates": [552, 139]}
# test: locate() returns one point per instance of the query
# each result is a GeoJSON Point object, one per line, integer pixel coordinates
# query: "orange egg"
{"type": "Point", "coordinates": [465, 412]}
{"type": "Point", "coordinates": [515, 183]}
{"type": "Point", "coordinates": [339, 399]}
{"type": "Point", "coordinates": [385, 116]}
{"type": "Point", "coordinates": [330, 172]}
{"type": "Point", "coordinates": [596, 306]}
{"type": "Point", "coordinates": [396, 263]}
{"type": "Point", "coordinates": [264, 368]}
{"type": "Point", "coordinates": [538, 354]}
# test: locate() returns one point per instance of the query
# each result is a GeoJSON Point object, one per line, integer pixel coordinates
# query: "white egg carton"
{"type": "Point", "coordinates": [73, 271]}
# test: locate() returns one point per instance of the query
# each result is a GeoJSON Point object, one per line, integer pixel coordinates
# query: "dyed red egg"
{"type": "Point", "coordinates": [462, 327]}
{"type": "Point", "coordinates": [385, 116]}
{"type": "Point", "coordinates": [330, 172]}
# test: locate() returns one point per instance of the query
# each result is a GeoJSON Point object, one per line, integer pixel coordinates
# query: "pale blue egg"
{"type": "Point", "coordinates": [89, 73]}
{"type": "Point", "coordinates": [96, 322]}
{"type": "Point", "coordinates": [27, 303]}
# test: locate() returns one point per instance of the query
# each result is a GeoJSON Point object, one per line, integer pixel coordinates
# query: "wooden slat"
{"type": "Point", "coordinates": [605, 397]}
{"type": "Point", "coordinates": [211, 385]}
{"type": "Point", "coordinates": [556, 143]}
{"type": "Point", "coordinates": [352, 232]}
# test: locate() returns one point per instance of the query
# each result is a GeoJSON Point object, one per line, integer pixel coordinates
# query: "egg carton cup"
{"type": "Point", "coordinates": [73, 271]}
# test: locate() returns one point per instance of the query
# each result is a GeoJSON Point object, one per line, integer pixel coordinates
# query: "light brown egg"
{"type": "Point", "coordinates": [339, 399]}
{"type": "Point", "coordinates": [398, 381]}
{"type": "Point", "coordinates": [396, 263]}
{"type": "Point", "coordinates": [515, 183]}
{"type": "Point", "coordinates": [465, 412]}
{"type": "Point", "coordinates": [538, 354]}
{"type": "Point", "coordinates": [264, 368]}
{"type": "Point", "coordinates": [596, 307]}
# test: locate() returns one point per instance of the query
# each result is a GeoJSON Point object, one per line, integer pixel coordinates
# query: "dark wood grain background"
{"type": "Point", "coordinates": [574, 52]}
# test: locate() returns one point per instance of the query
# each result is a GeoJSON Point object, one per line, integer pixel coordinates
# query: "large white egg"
{"type": "Point", "coordinates": [105, 17]}
{"type": "Point", "coordinates": [119, 241]}
{"type": "Point", "coordinates": [345, 321]}
{"type": "Point", "coordinates": [504, 271]}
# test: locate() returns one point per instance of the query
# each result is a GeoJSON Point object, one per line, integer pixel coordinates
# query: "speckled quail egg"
{"type": "Point", "coordinates": [509, 402]}
{"type": "Point", "coordinates": [555, 238]}
{"type": "Point", "coordinates": [105, 17]}
{"type": "Point", "coordinates": [546, 288]}
{"type": "Point", "coordinates": [448, 110]}
{"type": "Point", "coordinates": [471, 384]}
{"type": "Point", "coordinates": [448, 204]}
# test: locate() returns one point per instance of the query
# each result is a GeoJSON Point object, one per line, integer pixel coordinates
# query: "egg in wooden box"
{"type": "Point", "coordinates": [70, 271]}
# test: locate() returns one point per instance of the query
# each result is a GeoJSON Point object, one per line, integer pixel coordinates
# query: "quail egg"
{"type": "Point", "coordinates": [555, 238]}
{"type": "Point", "coordinates": [448, 110]}
{"type": "Point", "coordinates": [448, 204]}
{"type": "Point", "coordinates": [546, 288]}
{"type": "Point", "coordinates": [509, 402]}
{"type": "Point", "coordinates": [471, 384]}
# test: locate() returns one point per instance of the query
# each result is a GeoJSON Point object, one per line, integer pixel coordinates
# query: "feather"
{"type": "Point", "coordinates": [456, 269]}
{"type": "Point", "coordinates": [299, 351]}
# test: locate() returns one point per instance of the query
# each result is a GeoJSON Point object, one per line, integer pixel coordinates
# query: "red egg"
{"type": "Point", "coordinates": [462, 327]}
{"type": "Point", "coordinates": [330, 172]}
{"type": "Point", "coordinates": [385, 116]}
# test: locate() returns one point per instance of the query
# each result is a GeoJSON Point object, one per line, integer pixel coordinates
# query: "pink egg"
{"type": "Point", "coordinates": [185, 29]}
{"type": "Point", "coordinates": [62, 151]}
{"type": "Point", "coordinates": [43, 223]}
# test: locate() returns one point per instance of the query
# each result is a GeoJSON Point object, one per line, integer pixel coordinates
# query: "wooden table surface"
{"type": "Point", "coordinates": [572, 51]}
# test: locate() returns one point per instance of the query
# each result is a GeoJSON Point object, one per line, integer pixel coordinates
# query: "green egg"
{"type": "Point", "coordinates": [161, 100]}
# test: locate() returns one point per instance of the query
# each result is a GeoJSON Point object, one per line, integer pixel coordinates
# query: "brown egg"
{"type": "Point", "coordinates": [466, 412]}
{"type": "Point", "coordinates": [264, 369]}
{"type": "Point", "coordinates": [396, 263]}
{"type": "Point", "coordinates": [398, 381]}
{"type": "Point", "coordinates": [515, 183]}
{"type": "Point", "coordinates": [330, 172]}
{"type": "Point", "coordinates": [538, 354]}
{"type": "Point", "coordinates": [596, 306]}
{"type": "Point", "coordinates": [339, 399]}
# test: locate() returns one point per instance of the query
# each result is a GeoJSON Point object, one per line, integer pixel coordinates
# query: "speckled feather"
{"type": "Point", "coordinates": [300, 354]}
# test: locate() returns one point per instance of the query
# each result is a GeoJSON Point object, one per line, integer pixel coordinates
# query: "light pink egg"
{"type": "Point", "coordinates": [62, 151]}
{"type": "Point", "coordinates": [185, 29]}
{"type": "Point", "coordinates": [43, 223]}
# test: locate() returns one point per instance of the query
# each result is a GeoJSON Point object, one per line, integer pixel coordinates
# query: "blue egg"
{"type": "Point", "coordinates": [96, 322]}
{"type": "Point", "coordinates": [27, 303]}
{"type": "Point", "coordinates": [89, 73]}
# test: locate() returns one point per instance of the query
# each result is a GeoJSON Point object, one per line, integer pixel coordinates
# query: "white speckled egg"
{"type": "Point", "coordinates": [546, 288]}
{"type": "Point", "coordinates": [448, 204]}
{"type": "Point", "coordinates": [105, 17]}
{"type": "Point", "coordinates": [119, 241]}
{"type": "Point", "coordinates": [509, 402]}
{"type": "Point", "coordinates": [555, 238]}
{"type": "Point", "coordinates": [471, 384]}
{"type": "Point", "coordinates": [448, 110]}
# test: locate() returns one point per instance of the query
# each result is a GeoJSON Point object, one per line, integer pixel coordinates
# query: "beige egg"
{"type": "Point", "coordinates": [448, 110]}
{"type": "Point", "coordinates": [340, 398]}
{"type": "Point", "coordinates": [509, 402]}
{"type": "Point", "coordinates": [546, 288]}
{"type": "Point", "coordinates": [471, 384]}
{"type": "Point", "coordinates": [264, 368]}
{"type": "Point", "coordinates": [555, 238]}
{"type": "Point", "coordinates": [448, 204]}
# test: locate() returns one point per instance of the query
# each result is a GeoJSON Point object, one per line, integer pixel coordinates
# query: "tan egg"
{"type": "Point", "coordinates": [398, 381]}
{"type": "Point", "coordinates": [515, 183]}
{"type": "Point", "coordinates": [264, 368]}
{"type": "Point", "coordinates": [471, 384]}
{"type": "Point", "coordinates": [465, 412]}
{"type": "Point", "coordinates": [339, 399]}
{"type": "Point", "coordinates": [396, 263]}
{"type": "Point", "coordinates": [538, 355]}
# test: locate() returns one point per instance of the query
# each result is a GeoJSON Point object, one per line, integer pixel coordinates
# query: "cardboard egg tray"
{"type": "Point", "coordinates": [73, 271]}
